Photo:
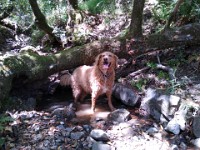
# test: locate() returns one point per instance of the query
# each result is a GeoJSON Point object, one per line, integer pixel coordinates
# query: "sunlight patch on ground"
{"type": "Point", "coordinates": [85, 110]}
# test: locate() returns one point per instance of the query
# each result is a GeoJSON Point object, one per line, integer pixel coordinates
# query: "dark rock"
{"type": "Point", "coordinates": [30, 103]}
{"type": "Point", "coordinates": [195, 126]}
{"type": "Point", "coordinates": [77, 135]}
{"type": "Point", "coordinates": [87, 128]}
{"type": "Point", "coordinates": [100, 146]}
{"type": "Point", "coordinates": [99, 135]}
{"type": "Point", "coordinates": [118, 116]}
{"type": "Point", "coordinates": [127, 95]}
{"type": "Point", "coordinates": [60, 127]}
{"type": "Point", "coordinates": [69, 129]}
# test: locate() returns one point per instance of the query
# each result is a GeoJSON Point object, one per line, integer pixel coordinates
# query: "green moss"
{"type": "Point", "coordinates": [28, 63]}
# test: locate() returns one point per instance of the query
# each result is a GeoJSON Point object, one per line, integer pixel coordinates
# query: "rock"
{"type": "Point", "coordinates": [37, 138]}
{"type": "Point", "coordinates": [152, 131]}
{"type": "Point", "coordinates": [118, 116]}
{"type": "Point", "coordinates": [173, 127]}
{"type": "Point", "coordinates": [196, 142]}
{"type": "Point", "coordinates": [195, 126]}
{"type": "Point", "coordinates": [150, 95]}
{"type": "Point", "coordinates": [60, 127]}
{"type": "Point", "coordinates": [67, 112]}
{"type": "Point", "coordinates": [87, 128]}
{"type": "Point", "coordinates": [174, 147]}
{"type": "Point", "coordinates": [158, 105]}
{"type": "Point", "coordinates": [77, 135]}
{"type": "Point", "coordinates": [194, 92]}
{"type": "Point", "coordinates": [69, 129]}
{"type": "Point", "coordinates": [30, 103]}
{"type": "Point", "coordinates": [100, 146]}
{"type": "Point", "coordinates": [99, 135]}
{"type": "Point", "coordinates": [127, 131]}
{"type": "Point", "coordinates": [125, 94]}
{"type": "Point", "coordinates": [179, 121]}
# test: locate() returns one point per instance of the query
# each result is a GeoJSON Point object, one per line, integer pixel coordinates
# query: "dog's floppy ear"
{"type": "Point", "coordinates": [97, 60]}
{"type": "Point", "coordinates": [116, 61]}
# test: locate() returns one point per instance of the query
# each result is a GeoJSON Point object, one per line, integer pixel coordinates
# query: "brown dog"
{"type": "Point", "coordinates": [95, 80]}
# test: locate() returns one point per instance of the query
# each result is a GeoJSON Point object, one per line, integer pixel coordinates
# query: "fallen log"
{"type": "Point", "coordinates": [30, 66]}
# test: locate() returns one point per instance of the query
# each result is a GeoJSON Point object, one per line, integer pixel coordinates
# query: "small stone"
{"type": "Point", "coordinates": [174, 147]}
{"type": "Point", "coordinates": [60, 127]}
{"type": "Point", "coordinates": [62, 123]}
{"type": "Point", "coordinates": [100, 146]}
{"type": "Point", "coordinates": [46, 143]}
{"type": "Point", "coordinates": [69, 129]}
{"type": "Point", "coordinates": [87, 128]}
{"type": "Point", "coordinates": [118, 116]}
{"type": "Point", "coordinates": [173, 127]}
{"type": "Point", "coordinates": [65, 134]}
{"type": "Point", "coordinates": [77, 135]}
{"type": "Point", "coordinates": [99, 135]}
{"type": "Point", "coordinates": [37, 138]}
{"type": "Point", "coordinates": [152, 130]}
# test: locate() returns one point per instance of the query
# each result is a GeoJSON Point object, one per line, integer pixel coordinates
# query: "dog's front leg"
{"type": "Point", "coordinates": [108, 94]}
{"type": "Point", "coordinates": [95, 95]}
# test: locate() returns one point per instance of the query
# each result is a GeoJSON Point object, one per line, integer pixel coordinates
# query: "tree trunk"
{"type": "Point", "coordinates": [136, 19]}
{"type": "Point", "coordinates": [74, 3]}
{"type": "Point", "coordinates": [41, 22]}
{"type": "Point", "coordinates": [173, 14]}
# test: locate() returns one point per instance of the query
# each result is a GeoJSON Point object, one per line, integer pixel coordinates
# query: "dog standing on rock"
{"type": "Point", "coordinates": [95, 80]}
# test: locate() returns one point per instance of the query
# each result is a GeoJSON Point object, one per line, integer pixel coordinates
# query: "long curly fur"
{"type": "Point", "coordinates": [95, 80]}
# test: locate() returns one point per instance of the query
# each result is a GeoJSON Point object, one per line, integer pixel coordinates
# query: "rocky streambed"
{"type": "Point", "coordinates": [161, 121]}
{"type": "Point", "coordinates": [61, 127]}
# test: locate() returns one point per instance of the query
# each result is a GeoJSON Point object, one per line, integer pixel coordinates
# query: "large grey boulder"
{"type": "Point", "coordinates": [159, 105]}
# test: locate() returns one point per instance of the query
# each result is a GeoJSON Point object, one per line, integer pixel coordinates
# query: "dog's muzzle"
{"type": "Point", "coordinates": [106, 63]}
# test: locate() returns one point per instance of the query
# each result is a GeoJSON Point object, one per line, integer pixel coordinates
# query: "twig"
{"type": "Point", "coordinates": [138, 71]}
{"type": "Point", "coordinates": [168, 69]}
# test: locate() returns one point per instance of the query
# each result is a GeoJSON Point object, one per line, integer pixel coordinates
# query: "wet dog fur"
{"type": "Point", "coordinates": [95, 80]}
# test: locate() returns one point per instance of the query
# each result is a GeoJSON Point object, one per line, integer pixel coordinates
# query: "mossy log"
{"type": "Point", "coordinates": [31, 66]}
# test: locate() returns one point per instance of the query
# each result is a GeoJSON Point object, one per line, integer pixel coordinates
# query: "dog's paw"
{"type": "Point", "coordinates": [113, 109]}
{"type": "Point", "coordinates": [91, 112]}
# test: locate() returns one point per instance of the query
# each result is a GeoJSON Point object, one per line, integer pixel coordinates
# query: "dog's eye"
{"type": "Point", "coordinates": [110, 55]}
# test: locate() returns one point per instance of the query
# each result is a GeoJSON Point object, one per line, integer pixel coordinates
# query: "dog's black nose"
{"type": "Point", "coordinates": [105, 59]}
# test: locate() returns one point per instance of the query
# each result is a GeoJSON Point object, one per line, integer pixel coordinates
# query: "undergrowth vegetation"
{"type": "Point", "coordinates": [188, 12]}
{"type": "Point", "coordinates": [98, 6]}
{"type": "Point", "coordinates": [4, 120]}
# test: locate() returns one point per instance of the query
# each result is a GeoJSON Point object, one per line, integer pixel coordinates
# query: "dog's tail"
{"type": "Point", "coordinates": [65, 78]}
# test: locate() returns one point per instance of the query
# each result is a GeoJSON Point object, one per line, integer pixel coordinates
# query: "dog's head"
{"type": "Point", "coordinates": [106, 61]}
